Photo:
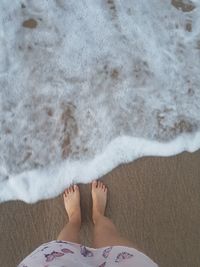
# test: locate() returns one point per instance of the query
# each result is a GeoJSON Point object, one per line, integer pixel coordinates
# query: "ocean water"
{"type": "Point", "coordinates": [86, 85]}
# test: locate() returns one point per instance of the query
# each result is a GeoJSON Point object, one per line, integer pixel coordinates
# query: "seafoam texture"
{"type": "Point", "coordinates": [87, 85]}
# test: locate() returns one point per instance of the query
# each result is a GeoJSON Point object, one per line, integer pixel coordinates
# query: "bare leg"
{"type": "Point", "coordinates": [105, 232]}
{"type": "Point", "coordinates": [71, 230]}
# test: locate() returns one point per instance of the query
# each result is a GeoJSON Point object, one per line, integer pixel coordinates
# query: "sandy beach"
{"type": "Point", "coordinates": [154, 201]}
{"type": "Point", "coordinates": [85, 86]}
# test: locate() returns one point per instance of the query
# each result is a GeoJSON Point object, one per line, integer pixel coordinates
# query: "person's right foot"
{"type": "Point", "coordinates": [72, 204]}
{"type": "Point", "coordinates": [99, 197]}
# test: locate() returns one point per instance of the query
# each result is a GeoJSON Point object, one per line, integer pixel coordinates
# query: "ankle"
{"type": "Point", "coordinates": [97, 216]}
{"type": "Point", "coordinates": [75, 220]}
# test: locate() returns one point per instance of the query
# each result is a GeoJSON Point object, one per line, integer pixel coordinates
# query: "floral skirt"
{"type": "Point", "coordinates": [64, 254]}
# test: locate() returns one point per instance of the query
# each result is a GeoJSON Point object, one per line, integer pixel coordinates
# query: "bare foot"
{"type": "Point", "coordinates": [71, 197]}
{"type": "Point", "coordinates": [99, 197]}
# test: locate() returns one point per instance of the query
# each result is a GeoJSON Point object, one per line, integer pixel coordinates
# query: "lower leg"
{"type": "Point", "coordinates": [105, 232]}
{"type": "Point", "coordinates": [71, 230]}
{"type": "Point", "coordinates": [70, 233]}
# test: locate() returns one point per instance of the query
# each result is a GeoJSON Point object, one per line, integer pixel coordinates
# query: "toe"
{"type": "Point", "coordinates": [94, 184]}
{"type": "Point", "coordinates": [76, 188]}
{"type": "Point", "coordinates": [99, 184]}
{"type": "Point", "coordinates": [65, 193]}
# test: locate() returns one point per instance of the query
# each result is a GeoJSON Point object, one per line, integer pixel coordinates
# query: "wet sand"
{"type": "Point", "coordinates": [154, 201]}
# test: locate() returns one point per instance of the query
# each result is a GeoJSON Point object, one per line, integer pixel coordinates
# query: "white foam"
{"type": "Point", "coordinates": [30, 186]}
{"type": "Point", "coordinates": [93, 85]}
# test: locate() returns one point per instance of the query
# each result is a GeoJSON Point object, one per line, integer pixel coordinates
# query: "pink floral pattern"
{"type": "Point", "coordinates": [103, 264]}
{"type": "Point", "coordinates": [53, 255]}
{"type": "Point", "coordinates": [123, 256]}
{"type": "Point", "coordinates": [106, 252]}
{"type": "Point", "coordinates": [66, 250]}
{"type": "Point", "coordinates": [86, 252]}
{"type": "Point", "coordinates": [62, 254]}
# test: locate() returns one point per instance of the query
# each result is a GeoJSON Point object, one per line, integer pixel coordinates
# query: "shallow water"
{"type": "Point", "coordinates": [86, 86]}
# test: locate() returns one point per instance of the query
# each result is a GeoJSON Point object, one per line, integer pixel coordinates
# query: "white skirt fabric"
{"type": "Point", "coordinates": [58, 253]}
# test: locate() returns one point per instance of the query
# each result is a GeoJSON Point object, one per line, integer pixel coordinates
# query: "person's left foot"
{"type": "Point", "coordinates": [72, 204]}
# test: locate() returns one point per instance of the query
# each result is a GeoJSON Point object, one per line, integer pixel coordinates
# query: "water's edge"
{"type": "Point", "coordinates": [31, 186]}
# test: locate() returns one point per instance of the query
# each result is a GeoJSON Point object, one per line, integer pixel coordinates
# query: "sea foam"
{"type": "Point", "coordinates": [88, 85]}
